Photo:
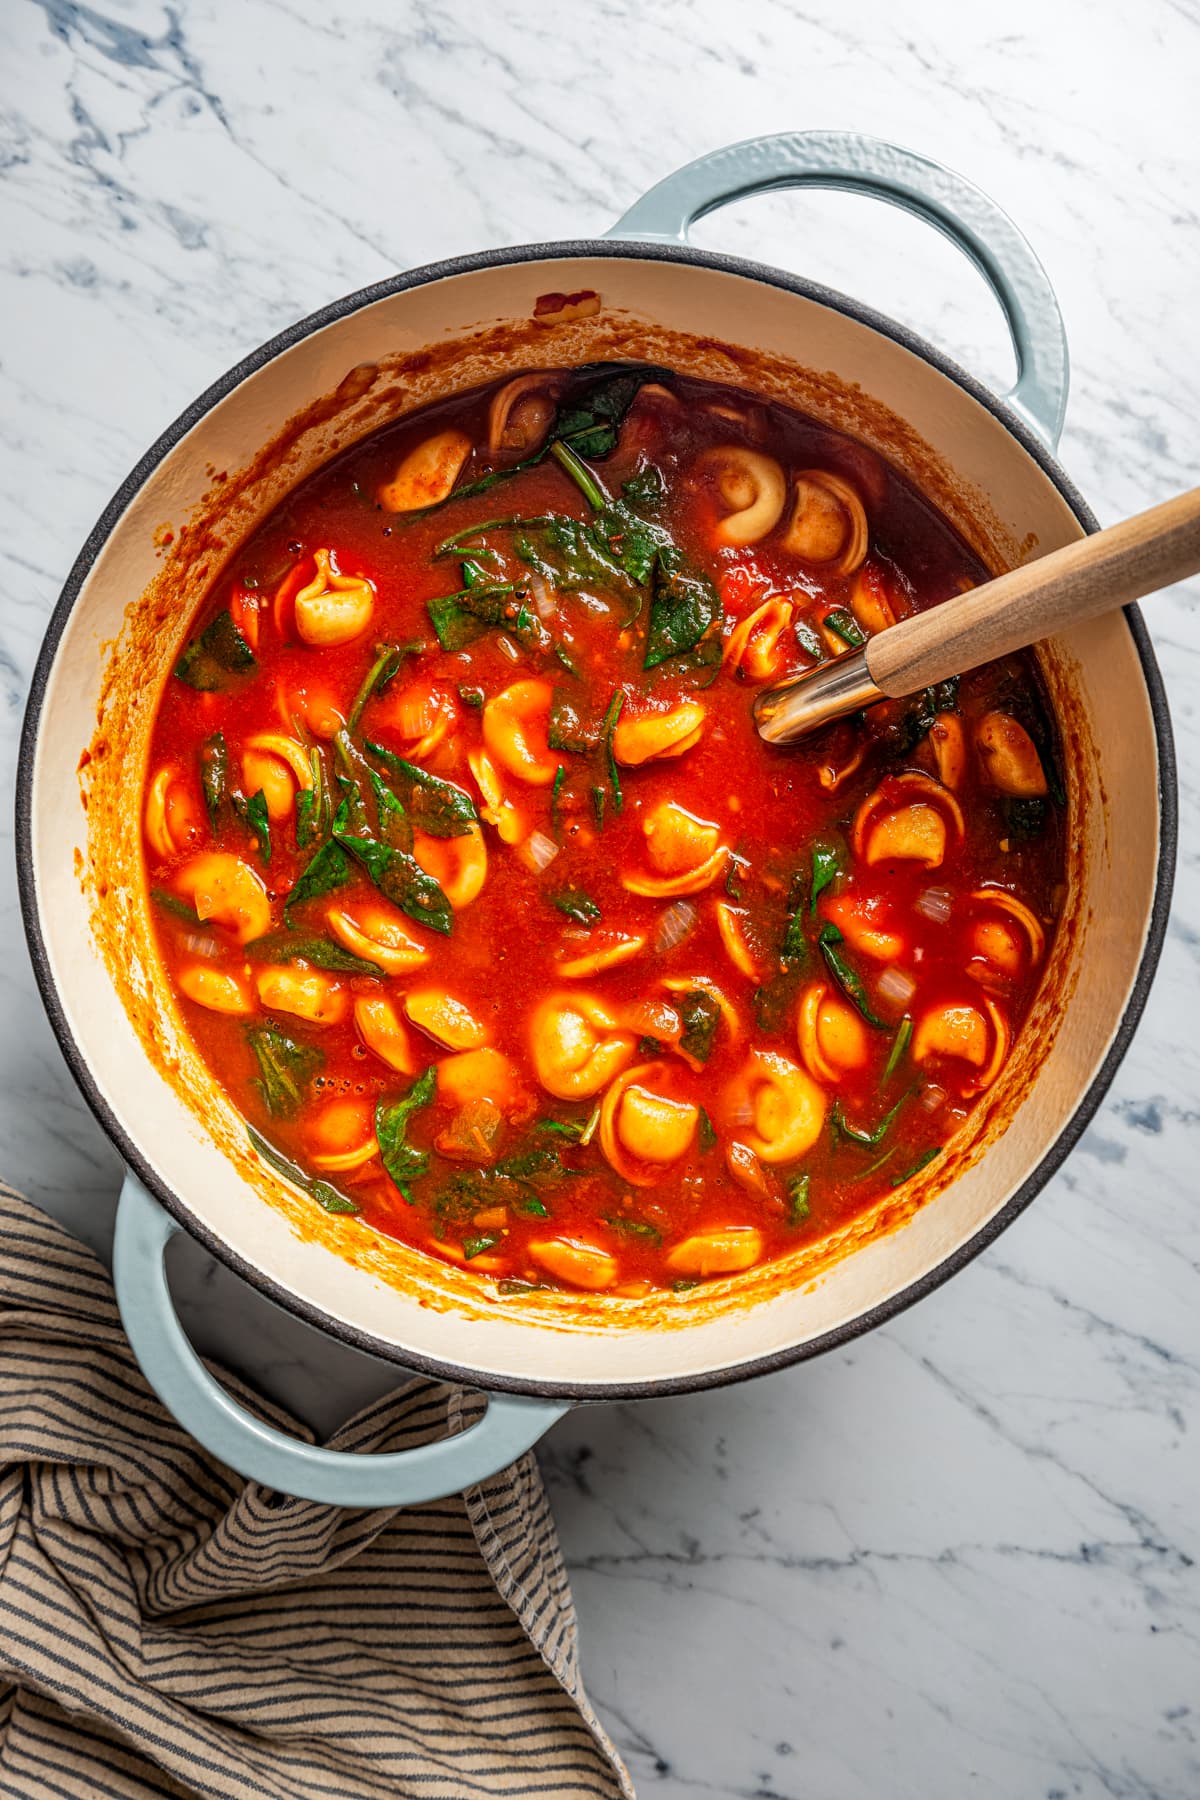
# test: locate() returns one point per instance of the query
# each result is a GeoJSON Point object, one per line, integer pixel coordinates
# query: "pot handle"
{"type": "Point", "coordinates": [864, 165]}
{"type": "Point", "coordinates": [510, 1426]}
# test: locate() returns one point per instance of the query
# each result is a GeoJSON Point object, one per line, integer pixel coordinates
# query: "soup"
{"type": "Point", "coordinates": [484, 902]}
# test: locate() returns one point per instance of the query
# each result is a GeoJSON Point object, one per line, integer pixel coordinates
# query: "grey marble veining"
{"type": "Point", "coordinates": [959, 1557]}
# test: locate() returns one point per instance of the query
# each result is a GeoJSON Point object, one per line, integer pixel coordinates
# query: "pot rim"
{"type": "Point", "coordinates": [306, 1310]}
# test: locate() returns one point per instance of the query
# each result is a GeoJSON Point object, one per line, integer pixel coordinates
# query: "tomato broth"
{"type": "Point", "coordinates": [482, 898]}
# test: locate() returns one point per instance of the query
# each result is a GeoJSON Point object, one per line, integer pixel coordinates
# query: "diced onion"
{"type": "Point", "coordinates": [895, 984]}
{"type": "Point", "coordinates": [674, 925]}
{"type": "Point", "coordinates": [201, 943]}
{"type": "Point", "coordinates": [539, 850]}
{"type": "Point", "coordinates": [542, 594]}
{"type": "Point", "coordinates": [415, 715]}
{"type": "Point", "coordinates": [932, 1097]}
{"type": "Point", "coordinates": [936, 904]}
{"type": "Point", "coordinates": [507, 648]}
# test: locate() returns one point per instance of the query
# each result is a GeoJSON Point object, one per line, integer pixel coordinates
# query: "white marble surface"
{"type": "Point", "coordinates": [958, 1558]}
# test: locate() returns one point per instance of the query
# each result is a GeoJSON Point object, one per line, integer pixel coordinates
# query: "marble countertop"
{"type": "Point", "coordinates": [959, 1557]}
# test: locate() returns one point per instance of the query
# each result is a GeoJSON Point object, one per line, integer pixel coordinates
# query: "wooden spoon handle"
{"type": "Point", "coordinates": [1101, 572]}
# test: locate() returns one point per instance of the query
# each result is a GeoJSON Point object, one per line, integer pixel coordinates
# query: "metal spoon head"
{"type": "Point", "coordinates": [831, 691]}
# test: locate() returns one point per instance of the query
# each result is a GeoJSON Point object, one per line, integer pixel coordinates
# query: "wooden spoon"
{"type": "Point", "coordinates": [1104, 571]}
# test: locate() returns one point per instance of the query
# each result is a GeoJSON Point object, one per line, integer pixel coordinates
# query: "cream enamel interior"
{"type": "Point", "coordinates": [1116, 775]}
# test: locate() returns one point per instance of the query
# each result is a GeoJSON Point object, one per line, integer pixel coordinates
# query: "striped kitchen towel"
{"type": "Point", "coordinates": [168, 1629]}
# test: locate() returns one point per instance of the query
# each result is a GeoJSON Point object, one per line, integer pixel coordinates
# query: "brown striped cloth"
{"type": "Point", "coordinates": [167, 1628]}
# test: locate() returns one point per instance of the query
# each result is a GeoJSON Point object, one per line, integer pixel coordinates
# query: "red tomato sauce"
{"type": "Point", "coordinates": [687, 1005]}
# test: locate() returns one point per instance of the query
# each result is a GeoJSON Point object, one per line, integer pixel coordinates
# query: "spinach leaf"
{"type": "Point", "coordinates": [793, 952]}
{"type": "Point", "coordinates": [257, 820]}
{"type": "Point", "coordinates": [285, 1068]}
{"type": "Point", "coordinates": [313, 805]}
{"type": "Point", "coordinates": [809, 640]}
{"type": "Point", "coordinates": [325, 1196]}
{"type": "Point", "coordinates": [472, 696]}
{"type": "Point", "coordinates": [218, 654]}
{"type": "Point", "coordinates": [567, 729]}
{"type": "Point", "coordinates": [568, 1128]}
{"type": "Point", "coordinates": [607, 727]}
{"type": "Point", "coordinates": [577, 905]}
{"type": "Point", "coordinates": [458, 619]}
{"type": "Point", "coordinates": [708, 1131]}
{"type": "Point", "coordinates": [840, 1125]}
{"type": "Point", "coordinates": [402, 1160]}
{"type": "Point", "coordinates": [923, 1161]}
{"type": "Point", "coordinates": [530, 1165]}
{"type": "Point", "coordinates": [827, 864]}
{"type": "Point", "coordinates": [299, 946]}
{"type": "Point", "coordinates": [394, 826]}
{"type": "Point", "coordinates": [214, 775]}
{"type": "Point", "coordinates": [590, 424]}
{"type": "Point", "coordinates": [438, 807]}
{"type": "Point", "coordinates": [327, 870]}
{"type": "Point", "coordinates": [1024, 818]}
{"type": "Point", "coordinates": [625, 1226]}
{"type": "Point", "coordinates": [684, 608]}
{"type": "Point", "coordinates": [797, 1199]}
{"type": "Point", "coordinates": [458, 542]}
{"type": "Point", "coordinates": [847, 977]}
{"type": "Point", "coordinates": [843, 624]}
{"type": "Point", "coordinates": [701, 1015]}
{"type": "Point", "coordinates": [898, 1050]}
{"type": "Point", "coordinates": [475, 1246]}
{"type": "Point", "coordinates": [172, 903]}
{"type": "Point", "coordinates": [646, 490]}
{"type": "Point", "coordinates": [400, 879]}
{"type": "Point", "coordinates": [389, 659]}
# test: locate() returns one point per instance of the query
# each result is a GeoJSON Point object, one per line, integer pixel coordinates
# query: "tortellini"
{"type": "Point", "coordinates": [752, 486]}
{"type": "Point", "coordinates": [427, 473]}
{"type": "Point", "coordinates": [378, 935]}
{"type": "Point", "coordinates": [334, 608]}
{"type": "Point", "coordinates": [643, 1129]}
{"type": "Point", "coordinates": [576, 1045]}
{"type": "Point", "coordinates": [775, 1107]}
{"type": "Point", "coordinates": [685, 852]}
{"type": "Point", "coordinates": [227, 891]}
{"type": "Point", "coordinates": [828, 524]}
{"type": "Point", "coordinates": [515, 726]}
{"type": "Point", "coordinates": [644, 737]}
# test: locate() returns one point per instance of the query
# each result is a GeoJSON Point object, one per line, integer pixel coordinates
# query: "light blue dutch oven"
{"type": "Point", "coordinates": [992, 462]}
